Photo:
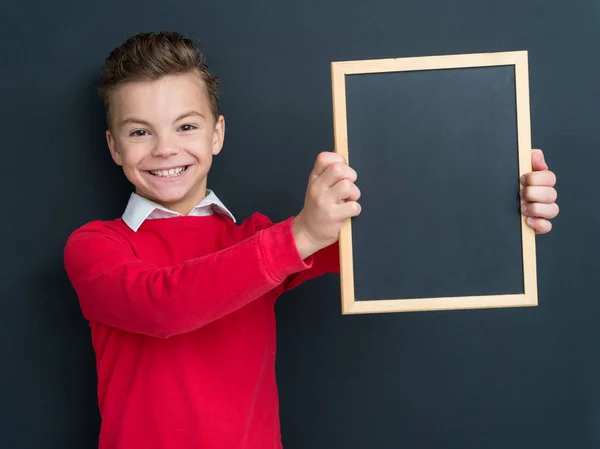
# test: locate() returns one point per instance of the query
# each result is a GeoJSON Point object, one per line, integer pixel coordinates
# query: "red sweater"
{"type": "Point", "coordinates": [183, 327]}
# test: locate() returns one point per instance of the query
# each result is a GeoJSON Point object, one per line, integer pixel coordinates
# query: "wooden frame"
{"type": "Point", "coordinates": [339, 70]}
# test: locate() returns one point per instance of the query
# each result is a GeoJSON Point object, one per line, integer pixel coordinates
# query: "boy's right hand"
{"type": "Point", "coordinates": [331, 198]}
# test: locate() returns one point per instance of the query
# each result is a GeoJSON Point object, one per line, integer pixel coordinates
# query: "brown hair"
{"type": "Point", "coordinates": [150, 56]}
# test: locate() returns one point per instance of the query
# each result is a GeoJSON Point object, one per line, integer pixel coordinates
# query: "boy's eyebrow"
{"type": "Point", "coordinates": [133, 120]}
{"type": "Point", "coordinates": [189, 114]}
{"type": "Point", "coordinates": [145, 123]}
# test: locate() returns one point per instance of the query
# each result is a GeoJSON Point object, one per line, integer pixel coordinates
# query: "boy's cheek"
{"type": "Point", "coordinates": [129, 164]}
{"type": "Point", "coordinates": [133, 175]}
{"type": "Point", "coordinates": [132, 155]}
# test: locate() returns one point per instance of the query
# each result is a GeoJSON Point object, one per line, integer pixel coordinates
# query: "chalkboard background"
{"type": "Point", "coordinates": [438, 160]}
{"type": "Point", "coordinates": [519, 378]}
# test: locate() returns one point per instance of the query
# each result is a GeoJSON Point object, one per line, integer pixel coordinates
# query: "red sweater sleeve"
{"type": "Point", "coordinates": [324, 261]}
{"type": "Point", "coordinates": [118, 289]}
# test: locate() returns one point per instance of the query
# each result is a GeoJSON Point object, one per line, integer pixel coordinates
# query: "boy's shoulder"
{"type": "Point", "coordinates": [258, 221]}
{"type": "Point", "coordinates": [110, 229]}
{"type": "Point", "coordinates": [118, 229]}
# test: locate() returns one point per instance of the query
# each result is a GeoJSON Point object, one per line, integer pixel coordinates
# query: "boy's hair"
{"type": "Point", "coordinates": [150, 56]}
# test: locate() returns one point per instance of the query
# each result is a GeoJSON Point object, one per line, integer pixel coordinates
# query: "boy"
{"type": "Point", "coordinates": [180, 299]}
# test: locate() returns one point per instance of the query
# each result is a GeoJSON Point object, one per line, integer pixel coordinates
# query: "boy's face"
{"type": "Point", "coordinates": [164, 135]}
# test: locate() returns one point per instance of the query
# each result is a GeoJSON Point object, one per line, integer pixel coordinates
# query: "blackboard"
{"type": "Point", "coordinates": [439, 144]}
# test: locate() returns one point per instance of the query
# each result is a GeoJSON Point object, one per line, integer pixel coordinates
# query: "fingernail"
{"type": "Point", "coordinates": [523, 179]}
{"type": "Point", "coordinates": [523, 208]}
{"type": "Point", "coordinates": [530, 221]}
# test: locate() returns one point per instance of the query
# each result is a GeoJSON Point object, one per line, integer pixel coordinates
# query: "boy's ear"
{"type": "Point", "coordinates": [112, 146]}
{"type": "Point", "coordinates": [218, 135]}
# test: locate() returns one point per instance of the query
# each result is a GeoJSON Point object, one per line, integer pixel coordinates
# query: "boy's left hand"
{"type": "Point", "coordinates": [539, 195]}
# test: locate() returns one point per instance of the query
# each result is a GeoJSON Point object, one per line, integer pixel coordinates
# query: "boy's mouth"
{"type": "Point", "coordinates": [170, 173]}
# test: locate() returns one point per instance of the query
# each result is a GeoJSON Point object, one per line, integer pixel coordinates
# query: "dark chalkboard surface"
{"type": "Point", "coordinates": [439, 144]}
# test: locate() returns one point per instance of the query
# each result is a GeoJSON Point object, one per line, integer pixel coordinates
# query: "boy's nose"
{"type": "Point", "coordinates": [165, 149]}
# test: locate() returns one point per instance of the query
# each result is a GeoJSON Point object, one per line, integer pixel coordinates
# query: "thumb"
{"type": "Point", "coordinates": [537, 160]}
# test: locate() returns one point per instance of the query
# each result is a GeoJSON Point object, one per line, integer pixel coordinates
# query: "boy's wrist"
{"type": "Point", "coordinates": [306, 245]}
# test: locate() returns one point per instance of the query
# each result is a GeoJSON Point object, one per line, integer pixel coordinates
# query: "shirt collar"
{"type": "Point", "coordinates": [140, 209]}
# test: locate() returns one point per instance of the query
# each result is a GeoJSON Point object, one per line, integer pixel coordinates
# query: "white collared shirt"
{"type": "Point", "coordinates": [139, 209]}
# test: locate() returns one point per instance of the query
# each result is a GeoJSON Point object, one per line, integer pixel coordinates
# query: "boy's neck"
{"type": "Point", "coordinates": [185, 205]}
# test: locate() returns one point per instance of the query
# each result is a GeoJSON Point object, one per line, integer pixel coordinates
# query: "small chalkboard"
{"type": "Point", "coordinates": [439, 144]}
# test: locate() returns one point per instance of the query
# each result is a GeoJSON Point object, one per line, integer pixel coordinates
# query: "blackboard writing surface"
{"type": "Point", "coordinates": [439, 144]}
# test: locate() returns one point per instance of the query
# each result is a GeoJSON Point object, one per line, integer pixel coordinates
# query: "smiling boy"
{"type": "Point", "coordinates": [180, 298]}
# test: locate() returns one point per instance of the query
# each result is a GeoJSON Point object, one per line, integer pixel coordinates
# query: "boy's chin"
{"type": "Point", "coordinates": [167, 198]}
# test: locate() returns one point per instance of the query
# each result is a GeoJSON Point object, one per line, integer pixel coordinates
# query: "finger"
{"type": "Point", "coordinates": [540, 210]}
{"type": "Point", "coordinates": [344, 190]}
{"type": "Point", "coordinates": [323, 161]}
{"type": "Point", "coordinates": [537, 160]}
{"type": "Point", "coordinates": [539, 194]}
{"type": "Point", "coordinates": [346, 210]}
{"type": "Point", "coordinates": [335, 173]}
{"type": "Point", "coordinates": [541, 178]}
{"type": "Point", "coordinates": [540, 225]}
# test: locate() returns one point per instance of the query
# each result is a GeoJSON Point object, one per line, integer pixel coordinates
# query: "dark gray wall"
{"type": "Point", "coordinates": [520, 378]}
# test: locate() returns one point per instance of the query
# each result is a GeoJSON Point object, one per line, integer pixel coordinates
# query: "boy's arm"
{"type": "Point", "coordinates": [116, 288]}
{"type": "Point", "coordinates": [326, 260]}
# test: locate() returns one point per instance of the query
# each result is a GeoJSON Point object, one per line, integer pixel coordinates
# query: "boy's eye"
{"type": "Point", "coordinates": [138, 133]}
{"type": "Point", "coordinates": [187, 127]}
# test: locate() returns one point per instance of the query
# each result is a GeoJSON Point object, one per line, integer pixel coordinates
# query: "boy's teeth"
{"type": "Point", "coordinates": [172, 172]}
